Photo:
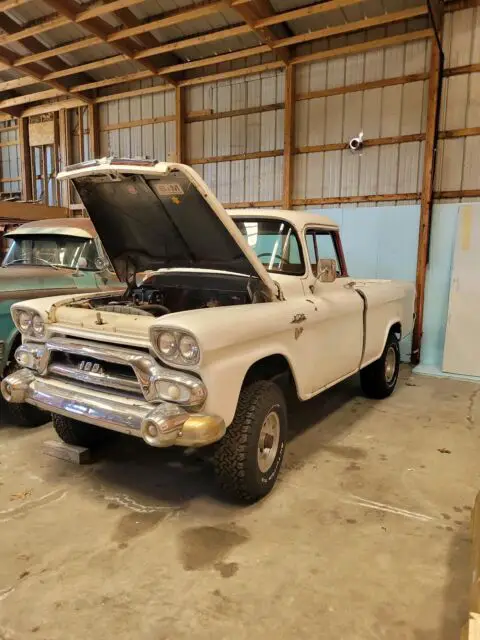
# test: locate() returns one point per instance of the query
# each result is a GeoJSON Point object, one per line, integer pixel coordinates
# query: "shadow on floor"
{"type": "Point", "coordinates": [174, 477]}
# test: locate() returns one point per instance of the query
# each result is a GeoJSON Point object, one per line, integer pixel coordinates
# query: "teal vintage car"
{"type": "Point", "coordinates": [47, 258]}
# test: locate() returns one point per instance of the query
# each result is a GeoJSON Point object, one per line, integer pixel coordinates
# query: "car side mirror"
{"type": "Point", "coordinates": [326, 270]}
{"type": "Point", "coordinates": [100, 264]}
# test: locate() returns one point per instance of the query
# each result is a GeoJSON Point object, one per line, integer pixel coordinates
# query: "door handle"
{"type": "Point", "coordinates": [350, 285]}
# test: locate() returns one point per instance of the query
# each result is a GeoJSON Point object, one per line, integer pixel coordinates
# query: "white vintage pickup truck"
{"type": "Point", "coordinates": [230, 307]}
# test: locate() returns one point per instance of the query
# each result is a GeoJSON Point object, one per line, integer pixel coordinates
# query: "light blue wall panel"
{"type": "Point", "coordinates": [380, 242]}
{"type": "Point", "coordinates": [442, 242]}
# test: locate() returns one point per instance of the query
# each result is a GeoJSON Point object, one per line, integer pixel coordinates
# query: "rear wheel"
{"type": "Point", "coordinates": [248, 458]}
{"type": "Point", "coordinates": [79, 433]}
{"type": "Point", "coordinates": [23, 414]}
{"type": "Point", "coordinates": [379, 379]}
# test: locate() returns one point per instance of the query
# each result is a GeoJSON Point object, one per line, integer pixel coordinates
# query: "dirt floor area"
{"type": "Point", "coordinates": [366, 535]}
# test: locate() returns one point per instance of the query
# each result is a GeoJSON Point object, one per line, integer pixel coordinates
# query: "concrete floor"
{"type": "Point", "coordinates": [365, 537]}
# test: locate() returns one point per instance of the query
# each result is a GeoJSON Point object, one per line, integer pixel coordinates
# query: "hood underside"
{"type": "Point", "coordinates": [160, 217]}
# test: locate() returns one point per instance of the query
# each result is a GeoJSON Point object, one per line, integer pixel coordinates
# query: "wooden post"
{"type": "Point", "coordinates": [288, 136]}
{"type": "Point", "coordinates": [431, 137]}
{"type": "Point", "coordinates": [25, 160]}
{"type": "Point", "coordinates": [94, 133]}
{"type": "Point", "coordinates": [65, 153]}
{"type": "Point", "coordinates": [180, 124]}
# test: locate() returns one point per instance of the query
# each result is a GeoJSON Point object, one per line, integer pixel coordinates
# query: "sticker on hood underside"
{"type": "Point", "coordinates": [167, 189]}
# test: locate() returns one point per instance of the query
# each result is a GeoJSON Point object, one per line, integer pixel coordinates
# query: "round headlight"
{"type": "Point", "coordinates": [167, 344]}
{"type": "Point", "coordinates": [24, 321]}
{"type": "Point", "coordinates": [188, 348]}
{"type": "Point", "coordinates": [38, 326]}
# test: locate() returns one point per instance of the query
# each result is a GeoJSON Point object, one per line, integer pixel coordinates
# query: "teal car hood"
{"type": "Point", "coordinates": [32, 278]}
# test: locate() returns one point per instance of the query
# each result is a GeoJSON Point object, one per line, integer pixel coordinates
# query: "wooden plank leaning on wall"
{"type": "Point", "coordinates": [426, 203]}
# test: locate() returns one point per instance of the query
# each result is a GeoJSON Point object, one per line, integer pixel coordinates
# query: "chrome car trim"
{"type": "Point", "coordinates": [160, 425]}
{"type": "Point", "coordinates": [95, 378]}
{"type": "Point", "coordinates": [146, 369]}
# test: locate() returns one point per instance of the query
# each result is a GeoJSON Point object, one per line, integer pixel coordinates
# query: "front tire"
{"type": "Point", "coordinates": [23, 414]}
{"type": "Point", "coordinates": [379, 379]}
{"type": "Point", "coordinates": [248, 458]}
{"type": "Point", "coordinates": [79, 433]}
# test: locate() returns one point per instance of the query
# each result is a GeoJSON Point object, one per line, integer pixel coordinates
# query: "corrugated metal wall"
{"type": "Point", "coordinates": [457, 165]}
{"type": "Point", "coordinates": [155, 140]}
{"type": "Point", "coordinates": [253, 179]}
{"type": "Point", "coordinates": [9, 159]}
{"type": "Point", "coordinates": [397, 110]}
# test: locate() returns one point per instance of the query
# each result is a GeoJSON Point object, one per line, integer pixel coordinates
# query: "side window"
{"type": "Point", "coordinates": [321, 244]}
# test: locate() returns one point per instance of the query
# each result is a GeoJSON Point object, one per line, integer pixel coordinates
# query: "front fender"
{"type": "Point", "coordinates": [232, 339]}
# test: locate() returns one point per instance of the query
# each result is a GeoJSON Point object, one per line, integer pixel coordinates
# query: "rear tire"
{"type": "Point", "coordinates": [379, 379]}
{"type": "Point", "coordinates": [23, 414]}
{"type": "Point", "coordinates": [79, 433]}
{"type": "Point", "coordinates": [248, 458]}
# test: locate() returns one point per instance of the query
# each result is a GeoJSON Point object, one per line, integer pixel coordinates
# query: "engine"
{"type": "Point", "coordinates": [171, 291]}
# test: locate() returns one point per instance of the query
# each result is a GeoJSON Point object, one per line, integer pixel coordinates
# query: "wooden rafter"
{"type": "Point", "coordinates": [34, 46]}
{"type": "Point", "coordinates": [170, 19]}
{"type": "Point", "coordinates": [99, 29]}
{"type": "Point", "coordinates": [251, 14]}
{"type": "Point", "coordinates": [303, 12]}
{"type": "Point", "coordinates": [174, 17]}
{"type": "Point", "coordinates": [55, 21]}
{"type": "Point", "coordinates": [235, 73]}
{"type": "Point", "coordinates": [349, 27]}
{"type": "Point", "coordinates": [6, 5]}
{"type": "Point", "coordinates": [8, 59]}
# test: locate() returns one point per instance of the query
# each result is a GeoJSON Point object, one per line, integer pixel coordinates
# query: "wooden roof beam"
{"type": "Point", "coordinates": [32, 45]}
{"type": "Point", "coordinates": [101, 30]}
{"type": "Point", "coordinates": [6, 5]}
{"type": "Point", "coordinates": [55, 20]}
{"type": "Point", "coordinates": [169, 19]}
{"type": "Point", "coordinates": [365, 23]}
{"type": "Point", "coordinates": [193, 64]}
{"type": "Point", "coordinates": [8, 59]}
{"type": "Point", "coordinates": [302, 12]}
{"type": "Point", "coordinates": [254, 11]}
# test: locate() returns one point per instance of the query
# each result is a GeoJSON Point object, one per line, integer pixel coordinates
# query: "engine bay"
{"type": "Point", "coordinates": [168, 291]}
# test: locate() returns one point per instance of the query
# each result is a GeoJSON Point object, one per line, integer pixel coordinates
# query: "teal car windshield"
{"type": "Point", "coordinates": [52, 250]}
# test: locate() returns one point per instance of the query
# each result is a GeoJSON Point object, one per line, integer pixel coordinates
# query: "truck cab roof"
{"type": "Point", "coordinates": [298, 219]}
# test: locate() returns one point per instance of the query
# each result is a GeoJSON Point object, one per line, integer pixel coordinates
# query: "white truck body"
{"type": "Point", "coordinates": [323, 329]}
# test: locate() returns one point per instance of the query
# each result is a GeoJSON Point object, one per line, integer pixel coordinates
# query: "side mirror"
{"type": "Point", "coordinates": [100, 264]}
{"type": "Point", "coordinates": [326, 270]}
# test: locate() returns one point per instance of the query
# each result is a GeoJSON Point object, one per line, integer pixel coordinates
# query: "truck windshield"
{"type": "Point", "coordinates": [51, 250]}
{"type": "Point", "coordinates": [275, 242]}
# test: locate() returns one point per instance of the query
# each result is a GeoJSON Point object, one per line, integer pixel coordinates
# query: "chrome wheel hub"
{"type": "Point", "coordinates": [390, 364]}
{"type": "Point", "coordinates": [268, 441]}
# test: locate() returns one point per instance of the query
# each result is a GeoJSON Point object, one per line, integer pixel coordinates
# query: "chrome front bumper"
{"type": "Point", "coordinates": [160, 425]}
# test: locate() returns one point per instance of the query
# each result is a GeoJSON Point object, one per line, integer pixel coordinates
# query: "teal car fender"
{"type": "Point", "coordinates": [9, 336]}
{"type": "Point", "coordinates": [17, 284]}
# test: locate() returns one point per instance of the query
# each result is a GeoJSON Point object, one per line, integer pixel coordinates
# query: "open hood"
{"type": "Point", "coordinates": [152, 215]}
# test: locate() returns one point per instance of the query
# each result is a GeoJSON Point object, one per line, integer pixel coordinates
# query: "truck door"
{"type": "Point", "coordinates": [336, 326]}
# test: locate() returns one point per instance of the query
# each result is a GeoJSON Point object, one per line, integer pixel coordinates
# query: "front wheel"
{"type": "Point", "coordinates": [79, 433]}
{"type": "Point", "coordinates": [379, 379]}
{"type": "Point", "coordinates": [248, 458]}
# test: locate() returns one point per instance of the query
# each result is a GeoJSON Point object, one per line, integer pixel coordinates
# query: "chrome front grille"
{"type": "Point", "coordinates": [126, 370]}
{"type": "Point", "coordinates": [94, 372]}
